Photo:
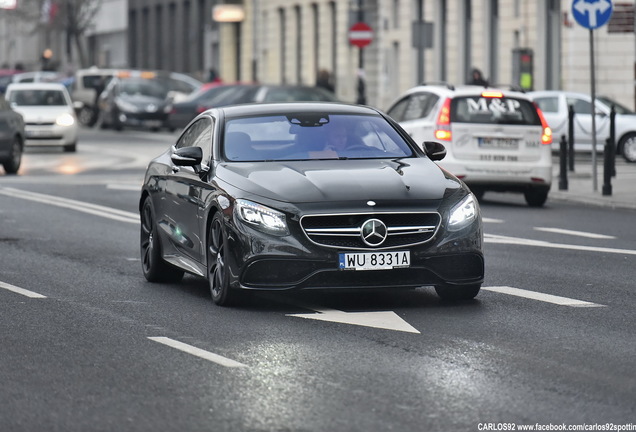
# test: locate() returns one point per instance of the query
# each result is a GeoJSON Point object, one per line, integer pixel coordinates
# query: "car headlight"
{"type": "Point", "coordinates": [260, 217]}
{"type": "Point", "coordinates": [126, 106]}
{"type": "Point", "coordinates": [463, 213]}
{"type": "Point", "coordinates": [65, 120]}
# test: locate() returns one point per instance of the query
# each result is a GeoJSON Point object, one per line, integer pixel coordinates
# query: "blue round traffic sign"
{"type": "Point", "coordinates": [592, 14]}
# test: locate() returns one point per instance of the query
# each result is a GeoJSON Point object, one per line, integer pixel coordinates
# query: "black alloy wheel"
{"type": "Point", "coordinates": [12, 164]}
{"type": "Point", "coordinates": [155, 269]}
{"type": "Point", "coordinates": [218, 276]}
{"type": "Point", "coordinates": [457, 293]}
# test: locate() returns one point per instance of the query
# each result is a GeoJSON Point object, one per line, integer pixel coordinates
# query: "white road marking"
{"type": "Point", "coordinates": [206, 355]}
{"type": "Point", "coordinates": [387, 320]}
{"type": "Point", "coordinates": [491, 238]}
{"type": "Point", "coordinates": [491, 220]}
{"type": "Point", "coordinates": [22, 291]}
{"type": "Point", "coordinates": [126, 187]}
{"type": "Point", "coordinates": [574, 233]}
{"type": "Point", "coordinates": [548, 298]}
{"type": "Point", "coordinates": [94, 209]}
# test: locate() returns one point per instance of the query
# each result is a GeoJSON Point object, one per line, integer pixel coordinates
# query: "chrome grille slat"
{"type": "Point", "coordinates": [343, 231]}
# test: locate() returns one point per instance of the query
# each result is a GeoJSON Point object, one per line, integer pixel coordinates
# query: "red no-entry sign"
{"type": "Point", "coordinates": [360, 34]}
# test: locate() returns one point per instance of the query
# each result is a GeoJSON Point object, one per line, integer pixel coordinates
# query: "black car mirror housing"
{"type": "Point", "coordinates": [187, 156]}
{"type": "Point", "coordinates": [434, 150]}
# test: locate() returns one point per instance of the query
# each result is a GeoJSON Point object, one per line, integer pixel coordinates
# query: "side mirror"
{"type": "Point", "coordinates": [434, 150]}
{"type": "Point", "coordinates": [187, 156]}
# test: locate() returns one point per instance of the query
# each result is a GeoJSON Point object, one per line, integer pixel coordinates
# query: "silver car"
{"type": "Point", "coordinates": [555, 105]}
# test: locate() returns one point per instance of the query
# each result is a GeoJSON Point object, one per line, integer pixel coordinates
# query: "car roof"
{"type": "Point", "coordinates": [37, 86]}
{"type": "Point", "coordinates": [294, 107]}
{"type": "Point", "coordinates": [447, 89]}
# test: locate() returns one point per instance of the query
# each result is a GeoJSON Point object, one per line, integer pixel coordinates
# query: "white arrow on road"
{"type": "Point", "coordinates": [387, 320]}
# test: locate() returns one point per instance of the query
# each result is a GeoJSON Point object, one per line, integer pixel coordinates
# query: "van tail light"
{"type": "Point", "coordinates": [442, 129]}
{"type": "Point", "coordinates": [546, 135]}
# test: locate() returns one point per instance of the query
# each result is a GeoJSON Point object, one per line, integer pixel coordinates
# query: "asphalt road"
{"type": "Point", "coordinates": [89, 345]}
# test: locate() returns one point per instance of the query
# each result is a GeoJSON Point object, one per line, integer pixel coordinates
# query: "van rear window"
{"type": "Point", "coordinates": [494, 110]}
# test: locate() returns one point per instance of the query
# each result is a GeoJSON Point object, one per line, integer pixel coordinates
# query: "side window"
{"type": "Point", "coordinates": [548, 104]}
{"type": "Point", "coordinates": [189, 136]}
{"type": "Point", "coordinates": [419, 106]}
{"type": "Point", "coordinates": [580, 106]}
{"type": "Point", "coordinates": [199, 134]}
{"type": "Point", "coordinates": [204, 138]}
{"type": "Point", "coordinates": [396, 112]}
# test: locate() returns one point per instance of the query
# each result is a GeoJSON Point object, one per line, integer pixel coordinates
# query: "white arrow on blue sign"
{"type": "Point", "coordinates": [592, 14]}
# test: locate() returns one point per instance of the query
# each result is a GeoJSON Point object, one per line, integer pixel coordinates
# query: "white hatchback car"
{"type": "Point", "coordinates": [48, 113]}
{"type": "Point", "coordinates": [555, 106]}
{"type": "Point", "coordinates": [496, 140]}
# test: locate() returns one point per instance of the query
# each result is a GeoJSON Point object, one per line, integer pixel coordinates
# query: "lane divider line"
{"type": "Point", "coordinates": [548, 298]}
{"type": "Point", "coordinates": [189, 349]}
{"type": "Point", "coordinates": [575, 233]}
{"type": "Point", "coordinates": [490, 238]}
{"type": "Point", "coordinates": [21, 291]}
{"type": "Point", "coordinates": [94, 209]}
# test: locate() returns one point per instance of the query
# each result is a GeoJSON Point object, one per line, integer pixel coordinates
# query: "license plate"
{"type": "Point", "coordinates": [498, 143]}
{"type": "Point", "coordinates": [374, 260]}
{"type": "Point", "coordinates": [37, 133]}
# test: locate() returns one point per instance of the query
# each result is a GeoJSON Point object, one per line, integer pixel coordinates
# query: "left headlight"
{"type": "Point", "coordinates": [260, 217]}
{"type": "Point", "coordinates": [463, 213]}
{"type": "Point", "coordinates": [65, 120]}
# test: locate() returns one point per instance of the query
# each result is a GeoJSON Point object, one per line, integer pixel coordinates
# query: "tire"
{"type": "Point", "coordinates": [457, 293]}
{"type": "Point", "coordinates": [70, 148]}
{"type": "Point", "coordinates": [12, 164]}
{"type": "Point", "coordinates": [154, 268]}
{"type": "Point", "coordinates": [218, 275]}
{"type": "Point", "coordinates": [536, 197]}
{"type": "Point", "coordinates": [628, 147]}
{"type": "Point", "coordinates": [87, 116]}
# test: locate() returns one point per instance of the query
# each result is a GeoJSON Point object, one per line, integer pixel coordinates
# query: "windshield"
{"type": "Point", "coordinates": [37, 98]}
{"type": "Point", "coordinates": [143, 87]}
{"type": "Point", "coordinates": [620, 109]}
{"type": "Point", "coordinates": [308, 136]}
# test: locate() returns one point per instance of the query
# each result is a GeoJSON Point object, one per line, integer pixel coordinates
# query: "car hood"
{"type": "Point", "coordinates": [39, 114]}
{"type": "Point", "coordinates": [341, 180]}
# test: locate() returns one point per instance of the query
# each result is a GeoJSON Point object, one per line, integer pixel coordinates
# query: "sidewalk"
{"type": "Point", "coordinates": [581, 183]}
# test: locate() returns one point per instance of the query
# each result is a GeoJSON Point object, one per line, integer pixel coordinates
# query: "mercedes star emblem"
{"type": "Point", "coordinates": [373, 232]}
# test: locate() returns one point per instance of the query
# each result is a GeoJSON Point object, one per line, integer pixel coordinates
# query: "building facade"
{"type": "Point", "coordinates": [534, 44]}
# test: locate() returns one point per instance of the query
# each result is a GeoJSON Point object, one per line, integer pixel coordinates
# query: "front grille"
{"type": "Point", "coordinates": [345, 230]}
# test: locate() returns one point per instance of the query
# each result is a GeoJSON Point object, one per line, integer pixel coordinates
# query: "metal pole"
{"type": "Point", "coordinates": [594, 168]}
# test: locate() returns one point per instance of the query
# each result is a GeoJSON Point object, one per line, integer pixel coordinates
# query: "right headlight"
{"type": "Point", "coordinates": [463, 213]}
{"type": "Point", "coordinates": [260, 217]}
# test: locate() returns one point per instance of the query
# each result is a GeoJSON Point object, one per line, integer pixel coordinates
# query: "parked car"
{"type": "Point", "coordinates": [84, 92]}
{"type": "Point", "coordinates": [230, 94]}
{"type": "Point", "coordinates": [36, 76]}
{"type": "Point", "coordinates": [48, 113]}
{"type": "Point", "coordinates": [555, 106]}
{"type": "Point", "coordinates": [497, 140]}
{"type": "Point", "coordinates": [143, 98]}
{"type": "Point", "coordinates": [11, 137]}
{"type": "Point", "coordinates": [251, 197]}
{"type": "Point", "coordinates": [6, 78]}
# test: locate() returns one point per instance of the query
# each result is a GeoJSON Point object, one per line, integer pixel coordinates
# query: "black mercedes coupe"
{"type": "Point", "coordinates": [307, 195]}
